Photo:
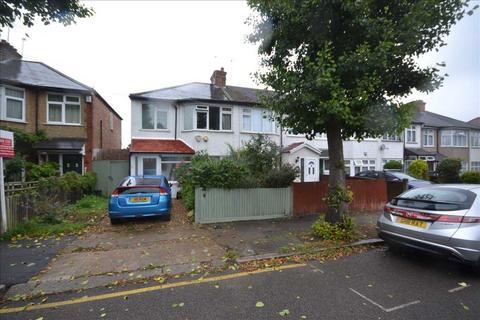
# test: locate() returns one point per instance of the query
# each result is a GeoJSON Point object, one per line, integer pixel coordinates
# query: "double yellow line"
{"type": "Point", "coordinates": [146, 289]}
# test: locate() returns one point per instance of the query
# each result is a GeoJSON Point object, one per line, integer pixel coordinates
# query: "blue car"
{"type": "Point", "coordinates": [140, 196]}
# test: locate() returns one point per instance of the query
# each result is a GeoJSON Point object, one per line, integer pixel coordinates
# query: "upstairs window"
{"type": "Point", "coordinates": [154, 117]}
{"type": "Point", "coordinates": [257, 121]}
{"type": "Point", "coordinates": [14, 101]}
{"type": "Point", "coordinates": [454, 138]}
{"type": "Point", "coordinates": [411, 134]}
{"type": "Point", "coordinates": [63, 109]}
{"type": "Point", "coordinates": [207, 118]}
{"type": "Point", "coordinates": [391, 137]}
{"type": "Point", "coordinates": [428, 138]}
{"type": "Point", "coordinates": [475, 139]}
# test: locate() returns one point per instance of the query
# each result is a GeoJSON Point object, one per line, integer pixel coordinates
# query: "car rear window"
{"type": "Point", "coordinates": [439, 199]}
{"type": "Point", "coordinates": [137, 190]}
{"type": "Point", "coordinates": [142, 182]}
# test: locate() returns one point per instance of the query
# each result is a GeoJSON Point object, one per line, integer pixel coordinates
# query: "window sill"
{"type": "Point", "coordinates": [14, 120]}
{"type": "Point", "coordinates": [465, 147]}
{"type": "Point", "coordinates": [152, 130]}
{"type": "Point", "coordinates": [424, 146]}
{"type": "Point", "coordinates": [411, 142]}
{"type": "Point", "coordinates": [252, 132]}
{"type": "Point", "coordinates": [209, 131]}
{"type": "Point", "coordinates": [62, 124]}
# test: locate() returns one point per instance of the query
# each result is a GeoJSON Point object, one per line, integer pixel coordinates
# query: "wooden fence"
{"type": "Point", "coordinates": [368, 195]}
{"type": "Point", "coordinates": [18, 202]}
{"type": "Point", "coordinates": [222, 205]}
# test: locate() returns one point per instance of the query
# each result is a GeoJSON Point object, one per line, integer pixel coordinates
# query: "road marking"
{"type": "Point", "coordinates": [146, 289]}
{"type": "Point", "coordinates": [382, 307]}
{"type": "Point", "coordinates": [315, 269]}
{"type": "Point", "coordinates": [458, 288]}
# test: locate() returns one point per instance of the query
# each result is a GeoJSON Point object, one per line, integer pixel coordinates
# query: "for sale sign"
{"type": "Point", "coordinates": [6, 144]}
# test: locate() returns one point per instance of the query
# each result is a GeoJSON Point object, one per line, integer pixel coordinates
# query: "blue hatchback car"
{"type": "Point", "coordinates": [140, 196]}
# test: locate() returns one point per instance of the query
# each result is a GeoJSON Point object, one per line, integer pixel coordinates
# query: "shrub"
{"type": "Point", "coordinates": [14, 168]}
{"type": "Point", "coordinates": [259, 155]}
{"type": "Point", "coordinates": [449, 170]}
{"type": "Point", "coordinates": [393, 164]}
{"type": "Point", "coordinates": [36, 172]}
{"type": "Point", "coordinates": [335, 232]}
{"type": "Point", "coordinates": [418, 169]}
{"type": "Point", "coordinates": [280, 177]}
{"type": "Point", "coordinates": [470, 177]}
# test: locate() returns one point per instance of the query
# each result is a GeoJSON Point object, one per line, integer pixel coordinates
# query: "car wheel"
{"type": "Point", "coordinates": [166, 217]}
{"type": "Point", "coordinates": [114, 221]}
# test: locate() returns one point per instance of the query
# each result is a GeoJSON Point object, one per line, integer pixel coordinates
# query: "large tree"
{"type": "Point", "coordinates": [342, 67]}
{"type": "Point", "coordinates": [63, 11]}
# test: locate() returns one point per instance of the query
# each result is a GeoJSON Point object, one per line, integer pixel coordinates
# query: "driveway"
{"type": "Point", "coordinates": [377, 284]}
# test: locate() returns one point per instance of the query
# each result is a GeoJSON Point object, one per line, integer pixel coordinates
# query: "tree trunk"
{"type": "Point", "coordinates": [336, 178]}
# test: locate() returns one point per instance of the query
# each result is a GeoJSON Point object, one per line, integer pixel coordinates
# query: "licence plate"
{"type": "Point", "coordinates": [139, 199]}
{"type": "Point", "coordinates": [410, 222]}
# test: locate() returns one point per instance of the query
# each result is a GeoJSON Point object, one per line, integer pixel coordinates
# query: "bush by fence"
{"type": "Point", "coordinates": [470, 177]}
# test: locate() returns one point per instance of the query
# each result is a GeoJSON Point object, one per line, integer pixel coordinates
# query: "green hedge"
{"type": "Point", "coordinates": [470, 177]}
{"type": "Point", "coordinates": [418, 169]}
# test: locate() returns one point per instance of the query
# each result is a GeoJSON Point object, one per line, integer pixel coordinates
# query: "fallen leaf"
{"type": "Point", "coordinates": [31, 264]}
{"type": "Point", "coordinates": [216, 286]}
{"type": "Point", "coordinates": [41, 318]}
{"type": "Point", "coordinates": [259, 304]}
{"type": "Point", "coordinates": [462, 284]}
{"type": "Point", "coordinates": [284, 312]}
{"type": "Point", "coordinates": [103, 315]}
{"type": "Point", "coordinates": [303, 317]}
{"type": "Point", "coordinates": [85, 282]}
{"type": "Point", "coordinates": [181, 304]}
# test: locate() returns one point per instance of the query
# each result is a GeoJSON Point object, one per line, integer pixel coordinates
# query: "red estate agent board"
{"type": "Point", "coordinates": [6, 144]}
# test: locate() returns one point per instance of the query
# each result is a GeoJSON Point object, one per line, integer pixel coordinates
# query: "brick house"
{"type": "Point", "coordinates": [77, 120]}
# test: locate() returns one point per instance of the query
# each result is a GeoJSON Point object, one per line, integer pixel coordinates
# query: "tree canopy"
{"type": "Point", "coordinates": [63, 11]}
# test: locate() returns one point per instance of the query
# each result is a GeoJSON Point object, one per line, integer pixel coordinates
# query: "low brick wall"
{"type": "Point", "coordinates": [368, 195]}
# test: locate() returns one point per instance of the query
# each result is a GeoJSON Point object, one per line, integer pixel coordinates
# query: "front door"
{"type": "Point", "coordinates": [72, 162]}
{"type": "Point", "coordinates": [148, 165]}
{"type": "Point", "coordinates": [311, 170]}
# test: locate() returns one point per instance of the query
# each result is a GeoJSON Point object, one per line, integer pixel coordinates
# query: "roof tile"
{"type": "Point", "coordinates": [160, 146]}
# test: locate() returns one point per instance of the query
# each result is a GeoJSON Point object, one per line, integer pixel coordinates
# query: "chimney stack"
{"type": "Point", "coordinates": [8, 52]}
{"type": "Point", "coordinates": [420, 105]}
{"type": "Point", "coordinates": [219, 78]}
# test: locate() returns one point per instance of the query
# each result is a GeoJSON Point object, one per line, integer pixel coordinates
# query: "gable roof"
{"type": "Point", "coordinates": [294, 147]}
{"type": "Point", "coordinates": [160, 146]}
{"type": "Point", "coordinates": [38, 74]}
{"type": "Point", "coordinates": [431, 119]}
{"type": "Point", "coordinates": [475, 121]}
{"type": "Point", "coordinates": [198, 91]}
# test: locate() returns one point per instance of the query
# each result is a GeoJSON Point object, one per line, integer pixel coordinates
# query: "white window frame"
{"type": "Point", "coordinates": [452, 133]}
{"type": "Point", "coordinates": [3, 103]}
{"type": "Point", "coordinates": [475, 165]}
{"type": "Point", "coordinates": [156, 108]}
{"type": "Point", "coordinates": [206, 109]}
{"type": "Point", "coordinates": [391, 137]}
{"type": "Point", "coordinates": [365, 165]}
{"type": "Point", "coordinates": [413, 134]}
{"type": "Point", "coordinates": [475, 139]}
{"type": "Point", "coordinates": [63, 105]}
{"type": "Point", "coordinates": [426, 134]}
{"type": "Point", "coordinates": [248, 111]}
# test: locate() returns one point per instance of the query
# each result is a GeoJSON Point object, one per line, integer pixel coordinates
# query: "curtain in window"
{"type": "Point", "coordinates": [226, 121]}
{"type": "Point", "coordinates": [188, 118]}
{"type": "Point", "coordinates": [55, 112]}
{"type": "Point", "coordinates": [72, 113]}
{"type": "Point", "coordinates": [162, 119]}
{"type": "Point", "coordinates": [14, 109]}
{"type": "Point", "coordinates": [147, 116]}
{"type": "Point", "coordinates": [246, 120]}
{"type": "Point", "coordinates": [257, 117]}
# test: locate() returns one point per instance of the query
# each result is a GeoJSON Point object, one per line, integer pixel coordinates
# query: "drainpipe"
{"type": "Point", "coordinates": [175, 129]}
{"type": "Point", "coordinates": [36, 110]}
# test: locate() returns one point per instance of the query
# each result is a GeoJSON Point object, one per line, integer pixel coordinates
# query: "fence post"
{"type": "Point", "coordinates": [405, 184]}
{"type": "Point", "coordinates": [3, 206]}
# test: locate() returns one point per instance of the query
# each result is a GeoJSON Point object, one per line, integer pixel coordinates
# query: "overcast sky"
{"type": "Point", "coordinates": [128, 47]}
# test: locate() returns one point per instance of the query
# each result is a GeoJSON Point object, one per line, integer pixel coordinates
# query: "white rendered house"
{"type": "Point", "coordinates": [169, 125]}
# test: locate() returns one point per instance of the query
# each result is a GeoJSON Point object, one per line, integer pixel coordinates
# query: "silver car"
{"type": "Point", "coordinates": [441, 219]}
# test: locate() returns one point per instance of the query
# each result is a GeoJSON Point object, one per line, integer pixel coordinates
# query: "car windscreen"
{"type": "Point", "coordinates": [142, 182]}
{"type": "Point", "coordinates": [437, 199]}
{"type": "Point", "coordinates": [137, 190]}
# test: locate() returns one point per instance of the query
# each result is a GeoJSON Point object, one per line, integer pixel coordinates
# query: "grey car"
{"type": "Point", "coordinates": [441, 219]}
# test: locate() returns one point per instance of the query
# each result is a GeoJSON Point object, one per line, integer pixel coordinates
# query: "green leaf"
{"type": "Point", "coordinates": [259, 304]}
{"type": "Point", "coordinates": [284, 312]}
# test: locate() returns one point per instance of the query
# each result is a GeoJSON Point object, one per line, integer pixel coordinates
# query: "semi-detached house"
{"type": "Point", "coordinates": [77, 120]}
{"type": "Point", "coordinates": [169, 125]}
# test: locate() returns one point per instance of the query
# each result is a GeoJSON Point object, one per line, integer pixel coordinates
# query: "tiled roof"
{"type": "Point", "coordinates": [292, 146]}
{"type": "Point", "coordinates": [160, 146]}
{"type": "Point", "coordinates": [475, 121]}
{"type": "Point", "coordinates": [37, 74]}
{"type": "Point", "coordinates": [422, 152]}
{"type": "Point", "coordinates": [431, 119]}
{"type": "Point", "coordinates": [204, 91]}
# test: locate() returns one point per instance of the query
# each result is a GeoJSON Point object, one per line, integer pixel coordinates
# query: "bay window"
{"type": "Point", "coordinates": [454, 138]}
{"type": "Point", "coordinates": [14, 101]}
{"type": "Point", "coordinates": [428, 138]}
{"type": "Point", "coordinates": [154, 117]}
{"type": "Point", "coordinates": [63, 109]}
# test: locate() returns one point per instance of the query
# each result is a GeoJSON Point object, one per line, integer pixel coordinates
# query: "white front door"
{"type": "Point", "coordinates": [149, 165]}
{"type": "Point", "coordinates": [310, 172]}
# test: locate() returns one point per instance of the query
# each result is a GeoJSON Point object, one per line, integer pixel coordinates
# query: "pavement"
{"type": "Point", "coordinates": [377, 284]}
{"type": "Point", "coordinates": [136, 250]}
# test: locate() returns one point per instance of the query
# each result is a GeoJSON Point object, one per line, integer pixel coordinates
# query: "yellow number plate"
{"type": "Point", "coordinates": [410, 222]}
{"type": "Point", "coordinates": [140, 199]}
